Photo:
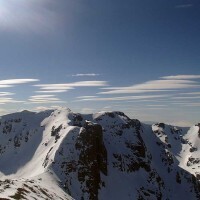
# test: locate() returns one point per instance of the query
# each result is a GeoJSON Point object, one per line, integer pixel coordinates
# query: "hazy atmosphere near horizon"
{"type": "Point", "coordinates": [138, 57]}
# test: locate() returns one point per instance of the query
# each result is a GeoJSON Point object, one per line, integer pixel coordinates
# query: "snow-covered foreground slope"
{"type": "Point", "coordinates": [58, 154]}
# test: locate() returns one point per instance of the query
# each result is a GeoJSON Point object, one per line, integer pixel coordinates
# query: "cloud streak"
{"type": "Point", "coordinates": [91, 74]}
{"type": "Point", "coordinates": [16, 81]}
{"type": "Point", "coordinates": [64, 87]}
{"type": "Point", "coordinates": [153, 86]}
{"type": "Point", "coordinates": [9, 100]}
{"type": "Point", "coordinates": [51, 91]}
{"type": "Point", "coordinates": [43, 108]}
{"type": "Point", "coordinates": [183, 77]}
{"type": "Point", "coordinates": [37, 99]}
{"type": "Point", "coordinates": [191, 97]}
{"type": "Point", "coordinates": [188, 104]}
{"type": "Point", "coordinates": [6, 94]}
{"type": "Point", "coordinates": [191, 93]}
{"type": "Point", "coordinates": [41, 96]}
{"type": "Point", "coordinates": [86, 97]}
{"type": "Point", "coordinates": [74, 84]}
{"type": "Point", "coordinates": [6, 86]}
{"type": "Point", "coordinates": [13, 82]}
{"type": "Point", "coordinates": [184, 6]}
{"type": "Point", "coordinates": [123, 98]}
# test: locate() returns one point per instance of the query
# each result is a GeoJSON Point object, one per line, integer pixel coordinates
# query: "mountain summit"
{"type": "Point", "coordinates": [58, 154]}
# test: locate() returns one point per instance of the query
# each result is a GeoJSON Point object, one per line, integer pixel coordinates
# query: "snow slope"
{"type": "Point", "coordinates": [58, 154]}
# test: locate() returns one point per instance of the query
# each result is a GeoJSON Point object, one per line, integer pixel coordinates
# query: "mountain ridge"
{"type": "Point", "coordinates": [105, 155]}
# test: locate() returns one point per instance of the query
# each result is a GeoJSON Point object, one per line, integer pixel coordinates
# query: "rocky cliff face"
{"type": "Point", "coordinates": [86, 159]}
{"type": "Point", "coordinates": [105, 155]}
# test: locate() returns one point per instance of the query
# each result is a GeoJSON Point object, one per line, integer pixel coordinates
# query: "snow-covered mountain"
{"type": "Point", "coordinates": [58, 154]}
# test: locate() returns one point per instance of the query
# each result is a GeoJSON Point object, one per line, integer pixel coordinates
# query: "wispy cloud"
{"type": "Point", "coordinates": [187, 104]}
{"type": "Point", "coordinates": [180, 123]}
{"type": "Point", "coordinates": [6, 94]}
{"type": "Point", "coordinates": [51, 91]}
{"type": "Point", "coordinates": [64, 87]}
{"type": "Point", "coordinates": [12, 82]}
{"type": "Point", "coordinates": [74, 84]}
{"type": "Point", "coordinates": [54, 87]}
{"type": "Point", "coordinates": [123, 98]}
{"type": "Point", "coordinates": [41, 96]}
{"type": "Point", "coordinates": [87, 110]}
{"type": "Point", "coordinates": [128, 90]}
{"type": "Point", "coordinates": [44, 99]}
{"type": "Point", "coordinates": [43, 108]}
{"type": "Point", "coordinates": [85, 97]}
{"type": "Point", "coordinates": [190, 93]}
{"type": "Point", "coordinates": [193, 104]}
{"type": "Point", "coordinates": [6, 86]}
{"type": "Point", "coordinates": [156, 108]}
{"type": "Point", "coordinates": [191, 97]}
{"type": "Point", "coordinates": [9, 100]}
{"type": "Point", "coordinates": [40, 108]}
{"type": "Point", "coordinates": [184, 6]}
{"type": "Point", "coordinates": [91, 74]}
{"type": "Point", "coordinates": [153, 86]}
{"type": "Point", "coordinates": [183, 77]}
{"type": "Point", "coordinates": [153, 105]}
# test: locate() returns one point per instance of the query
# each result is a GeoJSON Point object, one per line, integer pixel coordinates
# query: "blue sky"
{"type": "Point", "coordinates": [140, 57]}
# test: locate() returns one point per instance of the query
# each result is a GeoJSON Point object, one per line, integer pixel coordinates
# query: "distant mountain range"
{"type": "Point", "coordinates": [61, 155]}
